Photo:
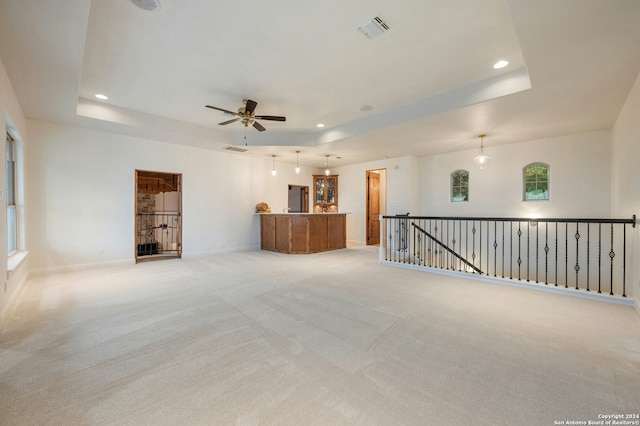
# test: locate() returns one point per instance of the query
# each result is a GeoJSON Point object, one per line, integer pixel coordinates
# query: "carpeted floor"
{"type": "Point", "coordinates": [334, 338]}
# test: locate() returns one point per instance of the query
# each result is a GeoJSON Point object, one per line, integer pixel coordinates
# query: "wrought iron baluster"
{"type": "Point", "coordinates": [412, 255]}
{"type": "Point", "coordinates": [495, 249]}
{"type": "Point", "coordinates": [466, 241]}
{"type": "Point", "coordinates": [488, 231]}
{"type": "Point", "coordinates": [577, 267]}
{"type": "Point", "coordinates": [528, 249]}
{"type": "Point", "coordinates": [556, 280]}
{"type": "Point", "coordinates": [460, 239]}
{"type": "Point", "coordinates": [473, 244]}
{"type": "Point", "coordinates": [502, 249]}
{"type": "Point", "coordinates": [453, 245]}
{"type": "Point", "coordinates": [480, 243]}
{"type": "Point", "coordinates": [599, 258]}
{"type": "Point", "coordinates": [566, 255]}
{"type": "Point", "coordinates": [624, 257]}
{"type": "Point", "coordinates": [546, 253]}
{"type": "Point", "coordinates": [519, 254]}
{"type": "Point", "coordinates": [392, 232]}
{"type": "Point", "coordinates": [588, 253]}
{"type": "Point", "coordinates": [447, 256]}
{"type": "Point", "coordinates": [612, 254]}
{"type": "Point", "coordinates": [511, 250]}
{"type": "Point", "coordinates": [537, 250]}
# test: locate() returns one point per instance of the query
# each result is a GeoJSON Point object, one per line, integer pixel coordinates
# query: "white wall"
{"type": "Point", "coordinates": [580, 182]}
{"type": "Point", "coordinates": [580, 170]}
{"type": "Point", "coordinates": [626, 176]}
{"type": "Point", "coordinates": [82, 195]}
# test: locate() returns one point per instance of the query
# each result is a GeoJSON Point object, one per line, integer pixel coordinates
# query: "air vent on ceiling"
{"type": "Point", "coordinates": [374, 27]}
{"type": "Point", "coordinates": [149, 5]}
{"type": "Point", "coordinates": [236, 149]}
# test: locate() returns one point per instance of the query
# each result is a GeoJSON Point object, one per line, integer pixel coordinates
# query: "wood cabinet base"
{"type": "Point", "coordinates": [303, 233]}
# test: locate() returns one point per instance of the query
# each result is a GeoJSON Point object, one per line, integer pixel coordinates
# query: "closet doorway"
{"type": "Point", "coordinates": [298, 199]}
{"type": "Point", "coordinates": [158, 215]}
{"type": "Point", "coordinates": [376, 203]}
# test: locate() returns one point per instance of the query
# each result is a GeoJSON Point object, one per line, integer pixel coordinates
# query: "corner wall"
{"type": "Point", "coordinates": [82, 195]}
{"type": "Point", "coordinates": [10, 112]}
{"type": "Point", "coordinates": [401, 192]}
{"type": "Point", "coordinates": [580, 179]}
{"type": "Point", "coordinates": [625, 180]}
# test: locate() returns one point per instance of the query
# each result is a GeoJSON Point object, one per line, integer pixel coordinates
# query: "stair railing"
{"type": "Point", "coordinates": [584, 254]}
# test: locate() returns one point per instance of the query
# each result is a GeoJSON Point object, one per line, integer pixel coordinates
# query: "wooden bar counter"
{"type": "Point", "coordinates": [303, 233]}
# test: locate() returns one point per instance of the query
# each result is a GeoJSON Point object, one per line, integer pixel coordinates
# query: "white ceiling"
{"type": "Point", "coordinates": [429, 78]}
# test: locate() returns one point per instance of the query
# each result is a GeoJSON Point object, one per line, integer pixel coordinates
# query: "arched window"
{"type": "Point", "coordinates": [535, 182]}
{"type": "Point", "coordinates": [460, 186]}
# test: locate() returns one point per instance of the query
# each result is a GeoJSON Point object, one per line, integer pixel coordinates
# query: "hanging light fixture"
{"type": "Point", "coordinates": [273, 170]}
{"type": "Point", "coordinates": [297, 163]}
{"type": "Point", "coordinates": [482, 161]}
{"type": "Point", "coordinates": [326, 169]}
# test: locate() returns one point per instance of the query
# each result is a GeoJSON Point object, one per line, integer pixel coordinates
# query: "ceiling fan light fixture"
{"type": "Point", "coordinates": [247, 116]}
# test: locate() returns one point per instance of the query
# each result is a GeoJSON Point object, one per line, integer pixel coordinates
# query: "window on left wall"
{"type": "Point", "coordinates": [12, 220]}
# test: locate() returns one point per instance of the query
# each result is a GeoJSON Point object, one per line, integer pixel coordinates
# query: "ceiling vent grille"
{"type": "Point", "coordinates": [374, 27]}
{"type": "Point", "coordinates": [235, 149]}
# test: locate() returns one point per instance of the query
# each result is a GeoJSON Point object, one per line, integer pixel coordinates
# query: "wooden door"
{"type": "Point", "coordinates": [373, 208]}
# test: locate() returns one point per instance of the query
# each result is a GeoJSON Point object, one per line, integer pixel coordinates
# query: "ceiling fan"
{"type": "Point", "coordinates": [246, 114]}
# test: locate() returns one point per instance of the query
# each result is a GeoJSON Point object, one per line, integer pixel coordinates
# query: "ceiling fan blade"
{"type": "Point", "coordinates": [250, 106]}
{"type": "Point", "coordinates": [223, 110]}
{"type": "Point", "coordinates": [271, 117]}
{"type": "Point", "coordinates": [229, 121]}
{"type": "Point", "coordinates": [258, 126]}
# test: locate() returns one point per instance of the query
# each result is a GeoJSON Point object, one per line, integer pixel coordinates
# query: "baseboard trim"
{"type": "Point", "coordinates": [54, 270]}
{"type": "Point", "coordinates": [6, 313]}
{"type": "Point", "coordinates": [532, 286]}
{"type": "Point", "coordinates": [197, 254]}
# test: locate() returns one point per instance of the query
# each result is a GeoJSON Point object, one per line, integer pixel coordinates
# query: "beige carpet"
{"type": "Point", "coordinates": [326, 339]}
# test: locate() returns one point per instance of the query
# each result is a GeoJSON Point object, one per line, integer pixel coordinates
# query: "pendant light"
{"type": "Point", "coordinates": [273, 170]}
{"type": "Point", "coordinates": [326, 169]}
{"type": "Point", "coordinates": [297, 162]}
{"type": "Point", "coordinates": [482, 161]}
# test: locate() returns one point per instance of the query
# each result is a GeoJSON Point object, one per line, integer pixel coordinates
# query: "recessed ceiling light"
{"type": "Point", "coordinates": [500, 64]}
{"type": "Point", "coordinates": [320, 125]}
{"type": "Point", "coordinates": [101, 96]}
{"type": "Point", "coordinates": [366, 108]}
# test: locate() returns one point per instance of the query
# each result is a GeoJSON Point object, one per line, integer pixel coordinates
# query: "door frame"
{"type": "Point", "coordinates": [154, 174]}
{"type": "Point", "coordinates": [304, 197]}
{"type": "Point", "coordinates": [382, 199]}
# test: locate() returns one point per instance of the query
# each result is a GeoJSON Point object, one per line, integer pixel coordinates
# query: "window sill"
{"type": "Point", "coordinates": [15, 260]}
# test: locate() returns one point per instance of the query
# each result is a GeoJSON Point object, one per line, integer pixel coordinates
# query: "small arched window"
{"type": "Point", "coordinates": [535, 182]}
{"type": "Point", "coordinates": [460, 186]}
